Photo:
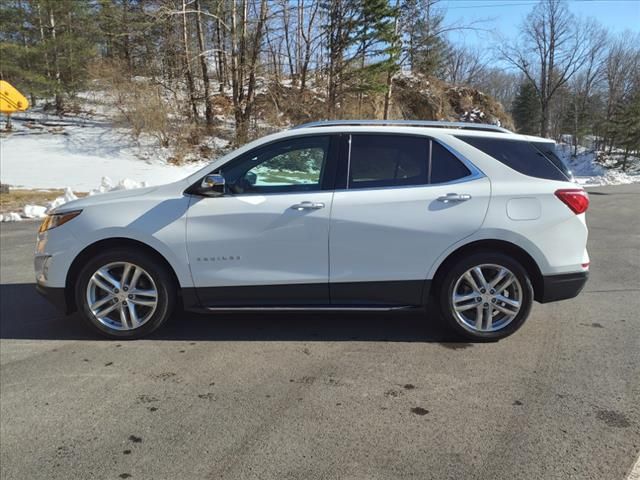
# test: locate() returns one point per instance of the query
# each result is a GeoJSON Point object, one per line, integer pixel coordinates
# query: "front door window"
{"type": "Point", "coordinates": [294, 165]}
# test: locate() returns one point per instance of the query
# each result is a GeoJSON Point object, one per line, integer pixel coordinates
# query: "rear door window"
{"type": "Point", "coordinates": [520, 155]}
{"type": "Point", "coordinates": [400, 160]}
{"type": "Point", "coordinates": [387, 161]}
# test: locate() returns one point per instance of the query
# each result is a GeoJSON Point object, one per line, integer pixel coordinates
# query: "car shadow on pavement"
{"type": "Point", "coordinates": [24, 314]}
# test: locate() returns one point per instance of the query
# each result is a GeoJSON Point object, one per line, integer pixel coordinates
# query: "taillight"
{"type": "Point", "coordinates": [574, 198]}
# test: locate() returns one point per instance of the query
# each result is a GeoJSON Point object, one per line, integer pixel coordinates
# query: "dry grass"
{"type": "Point", "coordinates": [15, 200]}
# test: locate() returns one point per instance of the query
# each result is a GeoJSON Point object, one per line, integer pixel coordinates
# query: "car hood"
{"type": "Point", "coordinates": [100, 198]}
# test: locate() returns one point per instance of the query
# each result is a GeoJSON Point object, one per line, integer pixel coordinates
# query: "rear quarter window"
{"type": "Point", "coordinates": [522, 156]}
{"type": "Point", "coordinates": [445, 167]}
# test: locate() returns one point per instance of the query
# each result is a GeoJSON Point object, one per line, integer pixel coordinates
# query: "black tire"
{"type": "Point", "coordinates": [164, 283]}
{"type": "Point", "coordinates": [444, 294]}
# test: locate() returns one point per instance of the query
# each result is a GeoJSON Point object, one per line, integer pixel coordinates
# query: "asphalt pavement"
{"type": "Point", "coordinates": [329, 396]}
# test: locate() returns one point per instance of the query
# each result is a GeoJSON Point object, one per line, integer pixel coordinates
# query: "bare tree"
{"type": "Point", "coordinates": [203, 65]}
{"type": "Point", "coordinates": [623, 59]}
{"type": "Point", "coordinates": [552, 48]}
{"type": "Point", "coordinates": [464, 66]}
{"type": "Point", "coordinates": [246, 43]}
{"type": "Point", "coordinates": [188, 74]}
{"type": "Point", "coordinates": [308, 38]}
{"type": "Point", "coordinates": [394, 54]}
{"type": "Point", "coordinates": [584, 82]}
{"type": "Point", "coordinates": [219, 43]}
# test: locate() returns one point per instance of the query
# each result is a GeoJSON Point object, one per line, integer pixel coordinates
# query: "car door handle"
{"type": "Point", "coordinates": [454, 197]}
{"type": "Point", "coordinates": [308, 206]}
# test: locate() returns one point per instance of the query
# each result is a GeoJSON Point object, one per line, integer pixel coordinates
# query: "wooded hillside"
{"type": "Point", "coordinates": [178, 69]}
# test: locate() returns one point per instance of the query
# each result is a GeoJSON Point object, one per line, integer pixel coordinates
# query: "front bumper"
{"type": "Point", "coordinates": [562, 287]}
{"type": "Point", "coordinates": [57, 296]}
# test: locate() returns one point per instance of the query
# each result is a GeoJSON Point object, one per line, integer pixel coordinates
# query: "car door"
{"type": "Point", "coordinates": [406, 200]}
{"type": "Point", "coordinates": [265, 241]}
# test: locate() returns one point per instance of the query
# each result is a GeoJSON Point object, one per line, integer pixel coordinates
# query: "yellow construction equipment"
{"type": "Point", "coordinates": [11, 100]}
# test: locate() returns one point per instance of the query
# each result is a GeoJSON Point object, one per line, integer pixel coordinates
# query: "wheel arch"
{"type": "Point", "coordinates": [103, 245]}
{"type": "Point", "coordinates": [490, 245]}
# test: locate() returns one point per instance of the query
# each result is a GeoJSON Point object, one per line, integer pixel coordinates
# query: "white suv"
{"type": "Point", "coordinates": [469, 220]}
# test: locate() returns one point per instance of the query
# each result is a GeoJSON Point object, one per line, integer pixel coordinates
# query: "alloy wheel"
{"type": "Point", "coordinates": [122, 296]}
{"type": "Point", "coordinates": [486, 298]}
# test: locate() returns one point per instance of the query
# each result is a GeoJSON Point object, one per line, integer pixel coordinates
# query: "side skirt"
{"type": "Point", "coordinates": [365, 296]}
{"type": "Point", "coordinates": [311, 308]}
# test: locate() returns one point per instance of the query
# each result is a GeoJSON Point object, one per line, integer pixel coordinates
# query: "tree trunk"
{"type": "Point", "coordinates": [392, 67]}
{"type": "Point", "coordinates": [387, 95]}
{"type": "Point", "coordinates": [42, 39]}
{"type": "Point", "coordinates": [220, 54]}
{"type": "Point", "coordinates": [544, 118]}
{"type": "Point", "coordinates": [287, 42]}
{"type": "Point", "coordinates": [187, 64]}
{"type": "Point", "coordinates": [59, 100]}
{"type": "Point", "coordinates": [244, 59]}
{"type": "Point", "coordinates": [203, 66]}
{"type": "Point", "coordinates": [306, 37]}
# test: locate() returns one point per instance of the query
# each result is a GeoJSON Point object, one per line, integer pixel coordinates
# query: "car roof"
{"type": "Point", "coordinates": [407, 123]}
{"type": "Point", "coordinates": [421, 127]}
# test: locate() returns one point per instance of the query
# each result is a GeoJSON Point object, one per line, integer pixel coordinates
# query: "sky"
{"type": "Point", "coordinates": [505, 16]}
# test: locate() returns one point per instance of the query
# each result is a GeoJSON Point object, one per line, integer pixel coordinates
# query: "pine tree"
{"type": "Point", "coordinates": [376, 39]}
{"type": "Point", "coordinates": [526, 109]}
{"type": "Point", "coordinates": [425, 46]}
{"type": "Point", "coordinates": [627, 123]}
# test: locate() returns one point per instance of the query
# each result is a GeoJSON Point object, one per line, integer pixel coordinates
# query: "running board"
{"type": "Point", "coordinates": [317, 308]}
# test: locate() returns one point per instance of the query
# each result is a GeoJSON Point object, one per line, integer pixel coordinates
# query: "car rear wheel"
{"type": "Point", "coordinates": [125, 294]}
{"type": "Point", "coordinates": [486, 296]}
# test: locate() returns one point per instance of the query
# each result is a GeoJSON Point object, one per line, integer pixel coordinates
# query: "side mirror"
{"type": "Point", "coordinates": [213, 185]}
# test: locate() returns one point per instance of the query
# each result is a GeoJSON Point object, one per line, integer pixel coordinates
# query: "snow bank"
{"type": "Point", "coordinates": [588, 171]}
{"type": "Point", "coordinates": [40, 211]}
{"type": "Point", "coordinates": [609, 178]}
{"type": "Point", "coordinates": [80, 155]}
{"type": "Point", "coordinates": [107, 185]}
{"type": "Point", "coordinates": [34, 211]}
{"type": "Point", "coordinates": [10, 217]}
{"type": "Point", "coordinates": [66, 197]}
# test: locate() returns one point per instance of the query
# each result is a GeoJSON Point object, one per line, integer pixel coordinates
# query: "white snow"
{"type": "Point", "coordinates": [34, 211]}
{"type": "Point", "coordinates": [609, 178]}
{"type": "Point", "coordinates": [40, 211]}
{"type": "Point", "coordinates": [78, 154]}
{"type": "Point", "coordinates": [587, 171]}
{"type": "Point", "coordinates": [10, 217]}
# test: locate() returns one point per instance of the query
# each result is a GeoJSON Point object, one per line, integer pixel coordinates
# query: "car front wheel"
{"type": "Point", "coordinates": [486, 296]}
{"type": "Point", "coordinates": [125, 294]}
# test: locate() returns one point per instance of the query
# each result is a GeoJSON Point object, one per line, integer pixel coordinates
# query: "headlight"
{"type": "Point", "coordinates": [57, 219]}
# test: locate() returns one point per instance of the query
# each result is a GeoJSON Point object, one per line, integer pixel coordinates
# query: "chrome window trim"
{"type": "Point", "coordinates": [475, 174]}
{"type": "Point", "coordinates": [349, 163]}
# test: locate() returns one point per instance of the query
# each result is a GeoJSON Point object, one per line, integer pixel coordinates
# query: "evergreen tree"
{"type": "Point", "coordinates": [46, 46]}
{"type": "Point", "coordinates": [376, 39]}
{"type": "Point", "coordinates": [526, 109]}
{"type": "Point", "coordinates": [627, 123]}
{"type": "Point", "coordinates": [425, 46]}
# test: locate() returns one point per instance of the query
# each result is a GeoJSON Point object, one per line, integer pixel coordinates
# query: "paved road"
{"type": "Point", "coordinates": [342, 396]}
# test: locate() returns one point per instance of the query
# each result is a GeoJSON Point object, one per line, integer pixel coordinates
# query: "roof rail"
{"type": "Point", "coordinates": [405, 123]}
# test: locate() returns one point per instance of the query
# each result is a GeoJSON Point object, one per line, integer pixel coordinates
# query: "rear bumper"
{"type": "Point", "coordinates": [562, 287]}
{"type": "Point", "coordinates": [57, 296]}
